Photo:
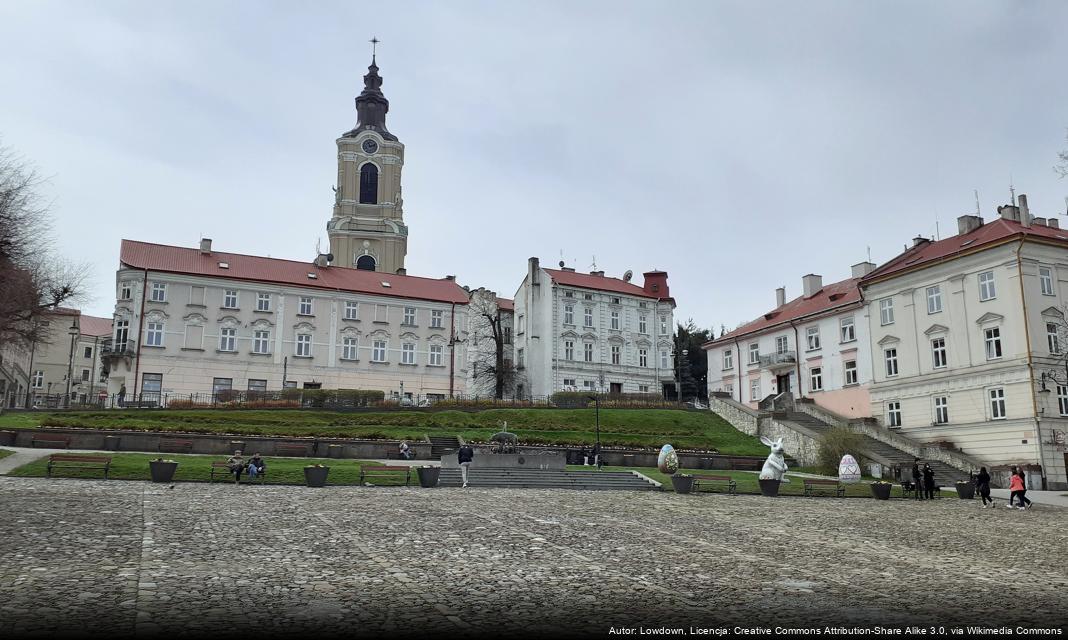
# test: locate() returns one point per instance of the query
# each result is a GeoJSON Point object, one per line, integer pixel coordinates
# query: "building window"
{"type": "Point", "coordinates": [816, 379]}
{"type": "Point", "coordinates": [569, 314]}
{"type": "Point", "coordinates": [569, 294]}
{"type": "Point", "coordinates": [569, 350]}
{"type": "Point", "coordinates": [754, 390]}
{"type": "Point", "coordinates": [520, 360]}
{"type": "Point", "coordinates": [615, 300]}
{"type": "Point", "coordinates": [408, 353]}
{"type": "Point", "coordinates": [941, 407]}
{"type": "Point", "coordinates": [587, 318]}
{"type": "Point", "coordinates": [812, 334]}
{"type": "Point", "coordinates": [437, 319]}
{"type": "Point", "coordinates": [782, 344]}
{"type": "Point", "coordinates": [352, 310]}
{"type": "Point", "coordinates": [159, 292]}
{"type": "Point", "coordinates": [257, 386]}
{"type": "Point", "coordinates": [1045, 278]}
{"type": "Point", "coordinates": [228, 340]}
{"type": "Point", "coordinates": [993, 343]}
{"type": "Point", "coordinates": [152, 383]}
{"type": "Point", "coordinates": [663, 325]}
{"type": "Point", "coordinates": [986, 286]}
{"type": "Point", "coordinates": [891, 362]}
{"type": "Point", "coordinates": [643, 358]}
{"type": "Point", "coordinates": [849, 331]}
{"type": "Point", "coordinates": [1062, 399]}
{"type": "Point", "coordinates": [38, 379]}
{"type": "Point", "coordinates": [218, 385]}
{"type": "Point", "coordinates": [934, 299]}
{"type": "Point", "coordinates": [507, 334]}
{"type": "Point", "coordinates": [349, 348]}
{"type": "Point", "coordinates": [369, 184]}
{"type": "Point", "coordinates": [1052, 339]}
{"type": "Point", "coordinates": [437, 355]}
{"type": "Point", "coordinates": [304, 344]}
{"type": "Point", "coordinates": [122, 333]}
{"type": "Point", "coordinates": [588, 385]}
{"type": "Point", "coordinates": [754, 353]}
{"type": "Point", "coordinates": [615, 354]}
{"type": "Point", "coordinates": [886, 311]}
{"type": "Point", "coordinates": [615, 320]}
{"type": "Point", "coordinates": [230, 299]}
{"type": "Point", "coordinates": [85, 375]}
{"type": "Point", "coordinates": [125, 291]}
{"type": "Point", "coordinates": [305, 308]}
{"type": "Point", "coordinates": [154, 336]}
{"type": "Point", "coordinates": [664, 363]}
{"type": "Point", "coordinates": [641, 324]}
{"type": "Point", "coordinates": [409, 316]}
{"type": "Point", "coordinates": [88, 352]}
{"type": "Point", "coordinates": [643, 388]}
{"type": "Point", "coordinates": [587, 296]}
{"type": "Point", "coordinates": [263, 302]}
{"type": "Point", "coordinates": [261, 342]}
{"type": "Point", "coordinates": [997, 404]}
{"type": "Point", "coordinates": [938, 351]}
{"type": "Point", "coordinates": [851, 372]}
{"type": "Point", "coordinates": [378, 352]}
{"type": "Point", "coordinates": [893, 414]}
{"type": "Point", "coordinates": [728, 358]}
{"type": "Point", "coordinates": [587, 352]}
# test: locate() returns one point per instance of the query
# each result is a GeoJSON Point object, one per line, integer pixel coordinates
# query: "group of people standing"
{"type": "Point", "coordinates": [925, 486]}
{"type": "Point", "coordinates": [923, 481]}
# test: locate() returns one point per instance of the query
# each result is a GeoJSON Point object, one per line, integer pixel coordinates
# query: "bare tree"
{"type": "Point", "coordinates": [1062, 163]}
{"type": "Point", "coordinates": [32, 279]}
{"type": "Point", "coordinates": [493, 370]}
{"type": "Point", "coordinates": [1054, 367]}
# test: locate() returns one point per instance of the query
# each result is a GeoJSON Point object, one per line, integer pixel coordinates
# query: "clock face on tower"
{"type": "Point", "coordinates": [370, 146]}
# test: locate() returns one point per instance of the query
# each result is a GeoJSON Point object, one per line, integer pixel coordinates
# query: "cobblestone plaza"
{"type": "Point", "coordinates": [114, 558]}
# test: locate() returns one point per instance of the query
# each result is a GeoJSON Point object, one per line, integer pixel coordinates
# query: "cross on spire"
{"type": "Point", "coordinates": [374, 47]}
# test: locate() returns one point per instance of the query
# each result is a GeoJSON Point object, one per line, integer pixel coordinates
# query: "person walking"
{"type": "Point", "coordinates": [982, 484]}
{"type": "Point", "coordinates": [917, 484]}
{"type": "Point", "coordinates": [122, 395]}
{"type": "Point", "coordinates": [464, 455]}
{"type": "Point", "coordinates": [1015, 486]}
{"type": "Point", "coordinates": [1025, 502]}
{"type": "Point", "coordinates": [928, 481]}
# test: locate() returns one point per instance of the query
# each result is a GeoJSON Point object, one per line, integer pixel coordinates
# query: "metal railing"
{"type": "Point", "coordinates": [787, 357]}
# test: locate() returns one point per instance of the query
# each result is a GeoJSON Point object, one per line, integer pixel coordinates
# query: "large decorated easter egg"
{"type": "Point", "coordinates": [848, 470]}
{"type": "Point", "coordinates": [668, 460]}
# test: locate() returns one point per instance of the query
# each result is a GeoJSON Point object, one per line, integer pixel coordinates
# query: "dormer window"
{"type": "Point", "coordinates": [224, 265]}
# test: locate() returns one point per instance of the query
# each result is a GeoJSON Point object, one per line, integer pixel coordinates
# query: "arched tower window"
{"type": "Point", "coordinates": [367, 263]}
{"type": "Point", "coordinates": [368, 184]}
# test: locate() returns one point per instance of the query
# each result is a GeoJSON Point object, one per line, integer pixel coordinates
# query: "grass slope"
{"type": "Point", "coordinates": [619, 427]}
{"type": "Point", "coordinates": [5, 453]}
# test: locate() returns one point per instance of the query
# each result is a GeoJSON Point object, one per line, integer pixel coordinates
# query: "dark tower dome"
{"type": "Point", "coordinates": [372, 106]}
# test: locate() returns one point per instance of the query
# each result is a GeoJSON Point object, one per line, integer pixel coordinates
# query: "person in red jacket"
{"type": "Point", "coordinates": [1025, 502]}
{"type": "Point", "coordinates": [1016, 488]}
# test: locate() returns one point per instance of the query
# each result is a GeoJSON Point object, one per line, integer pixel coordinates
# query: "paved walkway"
{"type": "Point", "coordinates": [1055, 498]}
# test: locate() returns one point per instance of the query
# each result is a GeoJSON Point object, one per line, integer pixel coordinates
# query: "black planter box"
{"type": "Point", "coordinates": [315, 476]}
{"type": "Point", "coordinates": [965, 490]}
{"type": "Point", "coordinates": [881, 491]}
{"type": "Point", "coordinates": [682, 484]}
{"type": "Point", "coordinates": [769, 488]}
{"type": "Point", "coordinates": [428, 476]}
{"type": "Point", "coordinates": [162, 471]}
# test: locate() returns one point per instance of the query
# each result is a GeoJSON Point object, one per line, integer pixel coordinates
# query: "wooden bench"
{"type": "Point", "coordinates": [222, 468]}
{"type": "Point", "coordinates": [732, 486]}
{"type": "Point", "coordinates": [295, 450]}
{"type": "Point", "coordinates": [907, 488]}
{"type": "Point", "coordinates": [812, 483]}
{"type": "Point", "coordinates": [173, 445]}
{"type": "Point", "coordinates": [742, 464]}
{"type": "Point", "coordinates": [385, 471]}
{"type": "Point", "coordinates": [49, 441]}
{"type": "Point", "coordinates": [78, 462]}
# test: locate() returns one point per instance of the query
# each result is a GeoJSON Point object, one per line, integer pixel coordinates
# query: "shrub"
{"type": "Point", "coordinates": [835, 443]}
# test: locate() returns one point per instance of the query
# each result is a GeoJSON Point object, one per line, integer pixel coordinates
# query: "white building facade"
{"type": "Point", "coordinates": [589, 332]}
{"type": "Point", "coordinates": [962, 332]}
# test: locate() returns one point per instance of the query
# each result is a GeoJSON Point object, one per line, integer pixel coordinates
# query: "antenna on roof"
{"type": "Point", "coordinates": [936, 231]}
{"type": "Point", "coordinates": [869, 253]}
{"type": "Point", "coordinates": [594, 265]}
{"type": "Point", "coordinates": [1012, 192]}
{"type": "Point", "coordinates": [978, 212]}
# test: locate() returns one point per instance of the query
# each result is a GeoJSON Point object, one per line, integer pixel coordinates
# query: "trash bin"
{"type": "Point", "coordinates": [428, 476]}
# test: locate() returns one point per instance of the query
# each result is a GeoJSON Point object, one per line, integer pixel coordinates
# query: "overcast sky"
{"type": "Point", "coordinates": [736, 145]}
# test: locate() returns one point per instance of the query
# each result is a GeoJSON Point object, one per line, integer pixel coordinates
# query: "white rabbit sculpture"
{"type": "Point", "coordinates": [775, 465]}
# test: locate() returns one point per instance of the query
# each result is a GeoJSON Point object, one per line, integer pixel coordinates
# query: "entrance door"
{"type": "Point", "coordinates": [782, 383]}
{"type": "Point", "coordinates": [615, 388]}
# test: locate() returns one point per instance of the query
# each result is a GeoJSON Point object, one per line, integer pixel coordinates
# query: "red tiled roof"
{"type": "Point", "coordinates": [993, 232]}
{"type": "Point", "coordinates": [832, 296]}
{"type": "Point", "coordinates": [506, 304]}
{"type": "Point", "coordinates": [94, 326]}
{"type": "Point", "coordinates": [598, 283]}
{"type": "Point", "coordinates": [166, 258]}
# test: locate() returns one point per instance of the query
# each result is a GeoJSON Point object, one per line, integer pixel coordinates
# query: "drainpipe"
{"type": "Point", "coordinates": [1030, 364]}
{"type": "Point", "coordinates": [140, 326]}
{"type": "Point", "coordinates": [797, 362]}
{"type": "Point", "coordinates": [452, 348]}
{"type": "Point", "coordinates": [738, 356]}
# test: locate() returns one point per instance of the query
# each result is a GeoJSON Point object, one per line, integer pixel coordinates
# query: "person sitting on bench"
{"type": "Point", "coordinates": [237, 465]}
{"type": "Point", "coordinates": [256, 466]}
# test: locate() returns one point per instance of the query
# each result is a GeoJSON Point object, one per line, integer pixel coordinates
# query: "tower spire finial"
{"type": "Point", "coordinates": [374, 48]}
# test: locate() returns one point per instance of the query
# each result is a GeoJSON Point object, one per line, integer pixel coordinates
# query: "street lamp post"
{"type": "Point", "coordinates": [73, 331]}
{"type": "Point", "coordinates": [597, 424]}
{"type": "Point", "coordinates": [678, 368]}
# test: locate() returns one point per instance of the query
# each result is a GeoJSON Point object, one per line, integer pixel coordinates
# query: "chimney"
{"type": "Point", "coordinates": [599, 274]}
{"type": "Point", "coordinates": [968, 223]}
{"type": "Point", "coordinates": [780, 297]}
{"type": "Point", "coordinates": [1024, 212]}
{"type": "Point", "coordinates": [205, 246]}
{"type": "Point", "coordinates": [862, 269]}
{"type": "Point", "coordinates": [451, 278]}
{"type": "Point", "coordinates": [322, 260]}
{"type": "Point", "coordinates": [1040, 222]}
{"type": "Point", "coordinates": [534, 271]}
{"type": "Point", "coordinates": [571, 269]}
{"type": "Point", "coordinates": [1009, 212]}
{"type": "Point", "coordinates": [918, 240]}
{"type": "Point", "coordinates": [811, 284]}
{"type": "Point", "coordinates": [656, 284]}
{"type": "Point", "coordinates": [1053, 223]}
{"type": "Point", "coordinates": [402, 271]}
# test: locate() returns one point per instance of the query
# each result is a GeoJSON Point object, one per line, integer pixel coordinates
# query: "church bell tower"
{"type": "Point", "coordinates": [367, 229]}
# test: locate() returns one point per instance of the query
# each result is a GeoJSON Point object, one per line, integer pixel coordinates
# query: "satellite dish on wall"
{"type": "Point", "coordinates": [562, 263]}
{"type": "Point", "coordinates": [628, 275]}
{"type": "Point", "coordinates": [330, 257]}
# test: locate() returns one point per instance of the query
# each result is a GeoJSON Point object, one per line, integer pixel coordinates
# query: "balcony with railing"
{"type": "Point", "coordinates": [111, 349]}
{"type": "Point", "coordinates": [783, 360]}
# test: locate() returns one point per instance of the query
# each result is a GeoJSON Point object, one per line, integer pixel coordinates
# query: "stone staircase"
{"type": "Point", "coordinates": [945, 475]}
{"type": "Point", "coordinates": [441, 445]}
{"type": "Point", "coordinates": [539, 479]}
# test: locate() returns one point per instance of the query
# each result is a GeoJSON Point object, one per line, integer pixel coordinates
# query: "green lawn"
{"type": "Point", "coordinates": [700, 430]}
{"type": "Point", "coordinates": [134, 466]}
{"type": "Point", "coordinates": [5, 453]}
